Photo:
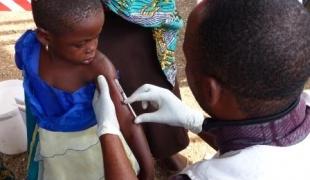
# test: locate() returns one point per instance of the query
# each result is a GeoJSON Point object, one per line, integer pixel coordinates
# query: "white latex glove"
{"type": "Point", "coordinates": [107, 122]}
{"type": "Point", "coordinates": [171, 110]}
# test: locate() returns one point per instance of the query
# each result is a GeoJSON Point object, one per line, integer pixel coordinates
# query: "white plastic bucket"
{"type": "Point", "coordinates": [13, 134]}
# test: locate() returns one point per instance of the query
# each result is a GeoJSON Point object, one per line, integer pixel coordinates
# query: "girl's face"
{"type": "Point", "coordinates": [80, 45]}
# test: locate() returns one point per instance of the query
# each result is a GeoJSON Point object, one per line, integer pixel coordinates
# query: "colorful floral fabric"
{"type": "Point", "coordinates": [162, 17]}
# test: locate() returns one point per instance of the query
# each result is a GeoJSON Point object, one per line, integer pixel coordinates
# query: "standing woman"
{"type": "Point", "coordinates": [140, 39]}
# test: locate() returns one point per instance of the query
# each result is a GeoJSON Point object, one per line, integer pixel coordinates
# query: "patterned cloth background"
{"type": "Point", "coordinates": [163, 18]}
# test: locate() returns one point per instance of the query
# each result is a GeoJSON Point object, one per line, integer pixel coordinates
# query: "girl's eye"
{"type": "Point", "coordinates": [79, 45]}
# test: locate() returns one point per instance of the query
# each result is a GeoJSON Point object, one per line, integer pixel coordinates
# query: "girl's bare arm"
{"type": "Point", "coordinates": [132, 132]}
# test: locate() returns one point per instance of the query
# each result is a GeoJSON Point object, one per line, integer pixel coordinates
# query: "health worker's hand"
{"type": "Point", "coordinates": [171, 110]}
{"type": "Point", "coordinates": [107, 122]}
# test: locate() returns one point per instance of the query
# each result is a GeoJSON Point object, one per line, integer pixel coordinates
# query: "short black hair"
{"type": "Point", "coordinates": [58, 16]}
{"type": "Point", "coordinates": [259, 49]}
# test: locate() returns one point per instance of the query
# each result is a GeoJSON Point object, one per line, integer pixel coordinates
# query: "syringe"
{"type": "Point", "coordinates": [125, 97]}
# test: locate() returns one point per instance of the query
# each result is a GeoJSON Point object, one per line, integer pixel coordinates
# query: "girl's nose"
{"type": "Point", "coordinates": [92, 46]}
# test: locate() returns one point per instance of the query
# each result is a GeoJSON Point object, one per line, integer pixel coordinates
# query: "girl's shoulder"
{"type": "Point", "coordinates": [103, 66]}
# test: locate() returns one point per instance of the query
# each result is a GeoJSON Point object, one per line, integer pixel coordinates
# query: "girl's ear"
{"type": "Point", "coordinates": [43, 36]}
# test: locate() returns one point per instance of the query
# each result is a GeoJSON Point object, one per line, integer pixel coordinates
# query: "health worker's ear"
{"type": "Point", "coordinates": [212, 89]}
{"type": "Point", "coordinates": [43, 36]}
{"type": "Point", "coordinates": [221, 102]}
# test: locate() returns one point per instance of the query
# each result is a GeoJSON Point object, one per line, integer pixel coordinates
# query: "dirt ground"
{"type": "Point", "coordinates": [13, 24]}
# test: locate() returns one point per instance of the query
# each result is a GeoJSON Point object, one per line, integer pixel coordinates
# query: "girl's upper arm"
{"type": "Point", "coordinates": [133, 133]}
{"type": "Point", "coordinates": [124, 115]}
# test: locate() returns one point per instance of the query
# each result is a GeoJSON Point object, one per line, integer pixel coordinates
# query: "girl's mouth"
{"type": "Point", "coordinates": [88, 60]}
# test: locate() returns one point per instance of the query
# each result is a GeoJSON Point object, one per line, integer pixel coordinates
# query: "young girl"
{"type": "Point", "coordinates": [60, 63]}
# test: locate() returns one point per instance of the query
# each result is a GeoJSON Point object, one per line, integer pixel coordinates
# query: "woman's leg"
{"type": "Point", "coordinates": [132, 50]}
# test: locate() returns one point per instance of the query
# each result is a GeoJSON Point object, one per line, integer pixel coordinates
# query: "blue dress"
{"type": "Point", "coordinates": [54, 109]}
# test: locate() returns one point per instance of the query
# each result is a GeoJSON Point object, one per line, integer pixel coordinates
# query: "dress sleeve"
{"type": "Point", "coordinates": [147, 13]}
{"type": "Point", "coordinates": [18, 55]}
{"type": "Point", "coordinates": [23, 47]}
